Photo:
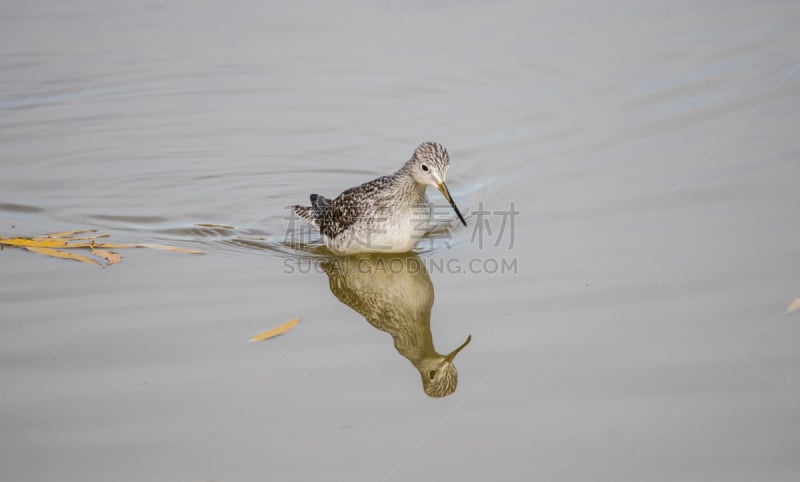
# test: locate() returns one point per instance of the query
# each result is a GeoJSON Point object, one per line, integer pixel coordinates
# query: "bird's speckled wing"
{"type": "Point", "coordinates": [352, 205]}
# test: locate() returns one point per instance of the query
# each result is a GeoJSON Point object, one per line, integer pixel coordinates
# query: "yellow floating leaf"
{"type": "Point", "coordinates": [88, 238]}
{"type": "Point", "coordinates": [278, 330]}
{"type": "Point", "coordinates": [61, 254]}
{"type": "Point", "coordinates": [34, 243]}
{"type": "Point", "coordinates": [85, 244]}
{"type": "Point", "coordinates": [794, 306]}
{"type": "Point", "coordinates": [66, 234]}
{"type": "Point", "coordinates": [110, 256]}
{"type": "Point", "coordinates": [67, 240]}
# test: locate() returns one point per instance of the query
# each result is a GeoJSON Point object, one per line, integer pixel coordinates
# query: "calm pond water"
{"type": "Point", "coordinates": [630, 173]}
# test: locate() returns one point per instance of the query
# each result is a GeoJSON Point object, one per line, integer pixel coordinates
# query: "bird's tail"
{"type": "Point", "coordinates": [308, 213]}
{"type": "Point", "coordinates": [312, 213]}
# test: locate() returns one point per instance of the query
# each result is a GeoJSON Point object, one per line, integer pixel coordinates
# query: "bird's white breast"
{"type": "Point", "coordinates": [397, 232]}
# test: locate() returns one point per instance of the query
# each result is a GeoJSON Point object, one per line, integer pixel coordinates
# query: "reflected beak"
{"type": "Point", "coordinates": [453, 353]}
{"type": "Point", "coordinates": [443, 189]}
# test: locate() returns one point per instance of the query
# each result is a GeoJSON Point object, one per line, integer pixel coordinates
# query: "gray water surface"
{"type": "Point", "coordinates": [638, 333]}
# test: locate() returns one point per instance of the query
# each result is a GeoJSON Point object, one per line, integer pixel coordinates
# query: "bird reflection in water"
{"type": "Point", "coordinates": [395, 294]}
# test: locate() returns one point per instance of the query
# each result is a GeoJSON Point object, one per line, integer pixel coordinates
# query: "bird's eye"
{"type": "Point", "coordinates": [432, 374]}
{"type": "Point", "coordinates": [425, 167]}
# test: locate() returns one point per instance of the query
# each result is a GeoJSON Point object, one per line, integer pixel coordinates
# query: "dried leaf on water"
{"type": "Point", "coordinates": [34, 243]}
{"type": "Point", "coordinates": [110, 256]}
{"type": "Point", "coordinates": [278, 330]}
{"type": "Point", "coordinates": [61, 254]}
{"type": "Point", "coordinates": [168, 248]}
{"type": "Point", "coordinates": [66, 234]}
{"type": "Point", "coordinates": [69, 240]}
{"type": "Point", "coordinates": [163, 247]}
{"type": "Point", "coordinates": [794, 306]}
{"type": "Point", "coordinates": [111, 245]}
{"type": "Point", "coordinates": [89, 238]}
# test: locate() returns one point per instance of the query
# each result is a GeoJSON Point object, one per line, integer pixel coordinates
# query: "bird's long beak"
{"type": "Point", "coordinates": [446, 193]}
{"type": "Point", "coordinates": [453, 353]}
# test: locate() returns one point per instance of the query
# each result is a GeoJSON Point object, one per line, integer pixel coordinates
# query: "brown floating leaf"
{"type": "Point", "coordinates": [110, 256]}
{"type": "Point", "coordinates": [278, 330]}
{"type": "Point", "coordinates": [109, 245]}
{"type": "Point", "coordinates": [168, 248]}
{"type": "Point", "coordinates": [794, 306]}
{"type": "Point", "coordinates": [61, 254]}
